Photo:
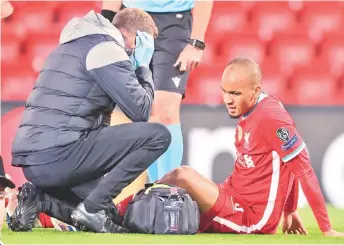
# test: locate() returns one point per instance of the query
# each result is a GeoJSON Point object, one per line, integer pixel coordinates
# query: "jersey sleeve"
{"type": "Point", "coordinates": [293, 198]}
{"type": "Point", "coordinates": [304, 173]}
{"type": "Point", "coordinates": [279, 132]}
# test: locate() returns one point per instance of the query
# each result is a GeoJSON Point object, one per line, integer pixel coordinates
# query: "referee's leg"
{"type": "Point", "coordinates": [170, 85]}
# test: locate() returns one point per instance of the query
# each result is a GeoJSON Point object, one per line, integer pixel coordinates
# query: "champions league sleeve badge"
{"type": "Point", "coordinates": [283, 134]}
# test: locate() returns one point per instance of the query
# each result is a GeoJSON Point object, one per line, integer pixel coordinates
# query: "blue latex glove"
{"type": "Point", "coordinates": [144, 49]}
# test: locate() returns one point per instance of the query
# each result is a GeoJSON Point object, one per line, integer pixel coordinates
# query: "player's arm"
{"type": "Point", "coordinates": [292, 199]}
{"type": "Point", "coordinates": [279, 131]}
{"type": "Point", "coordinates": [301, 167]}
{"type": "Point", "coordinates": [110, 66]}
{"type": "Point", "coordinates": [292, 222]}
{"type": "Point", "coordinates": [110, 8]}
{"type": "Point", "coordinates": [190, 57]}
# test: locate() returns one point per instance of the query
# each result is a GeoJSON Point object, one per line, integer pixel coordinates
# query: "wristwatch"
{"type": "Point", "coordinates": [197, 44]}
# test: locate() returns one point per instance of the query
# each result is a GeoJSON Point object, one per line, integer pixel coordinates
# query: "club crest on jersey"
{"type": "Point", "coordinates": [290, 143]}
{"type": "Point", "coordinates": [283, 134]}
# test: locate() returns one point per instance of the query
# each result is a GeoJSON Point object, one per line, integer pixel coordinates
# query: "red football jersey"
{"type": "Point", "coordinates": [266, 139]}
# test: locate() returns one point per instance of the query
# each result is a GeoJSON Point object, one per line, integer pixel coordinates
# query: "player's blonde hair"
{"type": "Point", "coordinates": [133, 19]}
{"type": "Point", "coordinates": [255, 76]}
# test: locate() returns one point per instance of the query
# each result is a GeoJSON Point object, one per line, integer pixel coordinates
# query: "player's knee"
{"type": "Point", "coordinates": [182, 175]}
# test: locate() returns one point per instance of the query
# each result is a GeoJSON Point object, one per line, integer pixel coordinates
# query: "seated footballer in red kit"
{"type": "Point", "coordinates": [271, 161]}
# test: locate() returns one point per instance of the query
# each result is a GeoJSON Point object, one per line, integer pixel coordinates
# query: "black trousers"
{"type": "Point", "coordinates": [174, 36]}
{"type": "Point", "coordinates": [98, 167]}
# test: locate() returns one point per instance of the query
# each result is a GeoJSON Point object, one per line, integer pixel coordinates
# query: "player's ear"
{"type": "Point", "coordinates": [257, 90]}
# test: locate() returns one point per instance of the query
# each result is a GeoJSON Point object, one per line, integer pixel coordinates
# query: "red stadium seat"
{"type": "Point", "coordinates": [45, 4]}
{"type": "Point", "coordinates": [228, 18]}
{"type": "Point", "coordinates": [317, 64]}
{"type": "Point", "coordinates": [321, 4]}
{"type": "Point", "coordinates": [277, 4]}
{"type": "Point", "coordinates": [292, 51]}
{"type": "Point", "coordinates": [68, 10]}
{"type": "Point", "coordinates": [12, 28]}
{"type": "Point", "coordinates": [333, 53]}
{"type": "Point", "coordinates": [227, 5]}
{"type": "Point", "coordinates": [242, 46]}
{"type": "Point", "coordinates": [34, 18]}
{"type": "Point", "coordinates": [320, 18]}
{"type": "Point", "coordinates": [210, 54]}
{"type": "Point", "coordinates": [16, 82]}
{"type": "Point", "coordinates": [10, 48]}
{"type": "Point", "coordinates": [39, 47]}
{"type": "Point", "coordinates": [204, 85]}
{"type": "Point", "coordinates": [314, 88]}
{"type": "Point", "coordinates": [269, 18]}
{"type": "Point", "coordinates": [274, 81]}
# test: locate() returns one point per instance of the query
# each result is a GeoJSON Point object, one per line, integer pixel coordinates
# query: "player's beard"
{"type": "Point", "coordinates": [234, 117]}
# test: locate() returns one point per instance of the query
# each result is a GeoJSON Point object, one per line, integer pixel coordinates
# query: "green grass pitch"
{"type": "Point", "coordinates": [49, 236]}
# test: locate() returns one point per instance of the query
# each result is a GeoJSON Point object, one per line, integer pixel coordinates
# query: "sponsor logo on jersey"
{"type": "Point", "coordinates": [283, 134]}
{"type": "Point", "coordinates": [245, 160]}
{"type": "Point", "coordinates": [290, 143]}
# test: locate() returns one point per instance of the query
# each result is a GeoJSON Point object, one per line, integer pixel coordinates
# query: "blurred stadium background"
{"type": "Point", "coordinates": [299, 44]}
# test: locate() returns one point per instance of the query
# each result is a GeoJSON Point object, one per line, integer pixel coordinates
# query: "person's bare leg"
{"type": "Point", "coordinates": [166, 110]}
{"type": "Point", "coordinates": [202, 190]}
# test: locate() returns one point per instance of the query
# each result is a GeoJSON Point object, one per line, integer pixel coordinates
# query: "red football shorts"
{"type": "Point", "coordinates": [224, 217]}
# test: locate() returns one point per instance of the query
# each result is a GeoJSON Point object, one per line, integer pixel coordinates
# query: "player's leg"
{"type": "Point", "coordinates": [170, 85]}
{"type": "Point", "coordinates": [215, 203]}
{"type": "Point", "coordinates": [202, 190]}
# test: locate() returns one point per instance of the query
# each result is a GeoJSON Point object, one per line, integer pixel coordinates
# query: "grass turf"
{"type": "Point", "coordinates": [49, 236]}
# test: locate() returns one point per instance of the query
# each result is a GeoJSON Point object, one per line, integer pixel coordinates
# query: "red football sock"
{"type": "Point", "coordinates": [45, 220]}
{"type": "Point", "coordinates": [122, 206]}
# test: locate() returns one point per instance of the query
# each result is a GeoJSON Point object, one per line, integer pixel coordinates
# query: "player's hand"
{"type": "Point", "coordinates": [144, 49]}
{"type": "Point", "coordinates": [189, 58]}
{"type": "Point", "coordinates": [292, 224]}
{"type": "Point", "coordinates": [333, 233]}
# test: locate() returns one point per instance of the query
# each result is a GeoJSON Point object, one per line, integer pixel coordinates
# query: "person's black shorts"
{"type": "Point", "coordinates": [174, 35]}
